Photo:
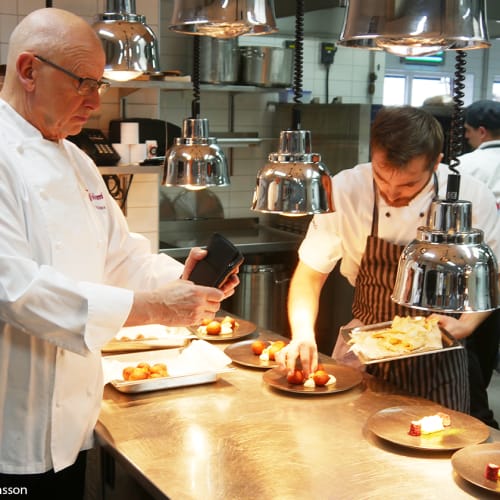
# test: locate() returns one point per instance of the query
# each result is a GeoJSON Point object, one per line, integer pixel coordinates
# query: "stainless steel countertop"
{"type": "Point", "coordinates": [240, 439]}
{"type": "Point", "coordinates": [178, 237]}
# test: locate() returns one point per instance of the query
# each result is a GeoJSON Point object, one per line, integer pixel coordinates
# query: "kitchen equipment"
{"type": "Point", "coordinates": [261, 295]}
{"type": "Point", "coordinates": [266, 66]}
{"type": "Point", "coordinates": [219, 62]}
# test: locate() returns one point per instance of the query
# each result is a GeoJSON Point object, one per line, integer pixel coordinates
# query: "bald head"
{"type": "Point", "coordinates": [51, 32]}
{"type": "Point", "coordinates": [51, 51]}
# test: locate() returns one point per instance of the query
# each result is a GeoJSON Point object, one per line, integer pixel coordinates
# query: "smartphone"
{"type": "Point", "coordinates": [221, 261]}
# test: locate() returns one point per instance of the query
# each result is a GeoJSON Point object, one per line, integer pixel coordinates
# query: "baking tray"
{"type": "Point", "coordinates": [160, 356]}
{"type": "Point", "coordinates": [449, 343]}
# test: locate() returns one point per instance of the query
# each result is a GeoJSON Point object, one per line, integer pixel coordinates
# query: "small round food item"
{"type": "Point", "coordinates": [274, 348]}
{"type": "Point", "coordinates": [321, 377]}
{"type": "Point", "coordinates": [213, 328]}
{"type": "Point", "coordinates": [138, 374]}
{"type": "Point", "coordinates": [159, 369]}
{"type": "Point", "coordinates": [296, 377]}
{"type": "Point", "coordinates": [126, 372]}
{"type": "Point", "coordinates": [258, 346]}
{"type": "Point", "coordinates": [143, 371]}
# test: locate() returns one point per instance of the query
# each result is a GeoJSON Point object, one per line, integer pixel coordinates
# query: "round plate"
{"type": "Point", "coordinates": [470, 464]}
{"type": "Point", "coordinates": [244, 329]}
{"type": "Point", "coordinates": [346, 376]}
{"type": "Point", "coordinates": [241, 353]}
{"type": "Point", "coordinates": [393, 424]}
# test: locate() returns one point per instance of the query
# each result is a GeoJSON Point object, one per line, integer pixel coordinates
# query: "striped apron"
{"type": "Point", "coordinates": [440, 377]}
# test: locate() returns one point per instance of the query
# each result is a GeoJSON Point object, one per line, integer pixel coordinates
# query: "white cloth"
{"type": "Point", "coordinates": [342, 234]}
{"type": "Point", "coordinates": [67, 267]}
{"type": "Point", "coordinates": [484, 164]}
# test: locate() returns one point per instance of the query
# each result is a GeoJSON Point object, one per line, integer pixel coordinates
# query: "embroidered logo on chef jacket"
{"type": "Point", "coordinates": [97, 199]}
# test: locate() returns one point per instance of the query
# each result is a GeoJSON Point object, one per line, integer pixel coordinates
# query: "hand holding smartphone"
{"type": "Point", "coordinates": [221, 261]}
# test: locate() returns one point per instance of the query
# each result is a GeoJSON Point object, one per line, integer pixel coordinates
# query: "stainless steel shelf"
{"type": "Point", "coordinates": [133, 168]}
{"type": "Point", "coordinates": [172, 85]}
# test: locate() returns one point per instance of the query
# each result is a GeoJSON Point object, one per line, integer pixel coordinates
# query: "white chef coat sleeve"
{"type": "Point", "coordinates": [108, 309]}
{"type": "Point", "coordinates": [321, 248]}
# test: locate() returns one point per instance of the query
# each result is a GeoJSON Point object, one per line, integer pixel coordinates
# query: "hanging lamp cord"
{"type": "Point", "coordinates": [457, 127]}
{"type": "Point", "coordinates": [195, 105]}
{"type": "Point", "coordinates": [299, 56]}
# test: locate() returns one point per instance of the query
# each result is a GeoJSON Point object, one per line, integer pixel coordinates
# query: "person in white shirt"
{"type": "Point", "coordinates": [71, 272]}
{"type": "Point", "coordinates": [378, 208]}
{"type": "Point", "coordinates": [482, 131]}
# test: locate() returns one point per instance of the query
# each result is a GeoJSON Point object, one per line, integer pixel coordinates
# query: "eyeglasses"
{"type": "Point", "coordinates": [86, 86]}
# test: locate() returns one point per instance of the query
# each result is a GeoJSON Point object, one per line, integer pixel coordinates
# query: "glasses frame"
{"type": "Point", "coordinates": [100, 85]}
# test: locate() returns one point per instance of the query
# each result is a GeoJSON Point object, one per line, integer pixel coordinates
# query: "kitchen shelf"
{"type": "Point", "coordinates": [131, 169]}
{"type": "Point", "coordinates": [209, 87]}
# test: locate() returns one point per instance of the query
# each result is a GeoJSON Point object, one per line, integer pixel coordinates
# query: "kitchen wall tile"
{"type": "Point", "coordinates": [7, 23]}
{"type": "Point", "coordinates": [143, 219]}
{"type": "Point", "coordinates": [142, 193]}
{"type": "Point", "coordinates": [7, 8]}
{"type": "Point", "coordinates": [26, 6]}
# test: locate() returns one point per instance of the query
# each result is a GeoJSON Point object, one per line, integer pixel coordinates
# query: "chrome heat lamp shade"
{"type": "Point", "coordinates": [448, 268]}
{"type": "Point", "coordinates": [294, 181]}
{"type": "Point", "coordinates": [130, 45]}
{"type": "Point", "coordinates": [223, 18]}
{"type": "Point", "coordinates": [415, 27]}
{"type": "Point", "coordinates": [195, 161]}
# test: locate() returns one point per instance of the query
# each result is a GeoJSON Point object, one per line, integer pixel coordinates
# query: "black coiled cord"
{"type": "Point", "coordinates": [457, 118]}
{"type": "Point", "coordinates": [457, 127]}
{"type": "Point", "coordinates": [195, 105]}
{"type": "Point", "coordinates": [299, 56]}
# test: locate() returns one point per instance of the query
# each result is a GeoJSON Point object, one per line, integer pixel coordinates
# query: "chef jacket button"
{"type": "Point", "coordinates": [43, 194]}
{"type": "Point", "coordinates": [20, 148]}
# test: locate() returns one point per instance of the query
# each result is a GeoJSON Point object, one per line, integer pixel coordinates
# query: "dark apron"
{"type": "Point", "coordinates": [440, 377]}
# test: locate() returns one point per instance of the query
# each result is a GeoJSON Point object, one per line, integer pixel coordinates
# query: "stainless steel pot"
{"type": "Point", "coordinates": [219, 60]}
{"type": "Point", "coordinates": [266, 66]}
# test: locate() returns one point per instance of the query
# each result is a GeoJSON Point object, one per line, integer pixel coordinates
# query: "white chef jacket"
{"type": "Point", "coordinates": [68, 265]}
{"type": "Point", "coordinates": [342, 234]}
{"type": "Point", "coordinates": [484, 164]}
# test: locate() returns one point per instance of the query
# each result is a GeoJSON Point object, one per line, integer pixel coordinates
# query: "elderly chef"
{"type": "Point", "coordinates": [379, 206]}
{"type": "Point", "coordinates": [71, 272]}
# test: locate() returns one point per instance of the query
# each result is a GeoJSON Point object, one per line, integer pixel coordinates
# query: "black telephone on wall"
{"type": "Point", "coordinates": [96, 145]}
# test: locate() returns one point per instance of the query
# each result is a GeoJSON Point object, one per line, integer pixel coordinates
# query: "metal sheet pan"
{"type": "Point", "coordinates": [449, 342]}
{"type": "Point", "coordinates": [170, 382]}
